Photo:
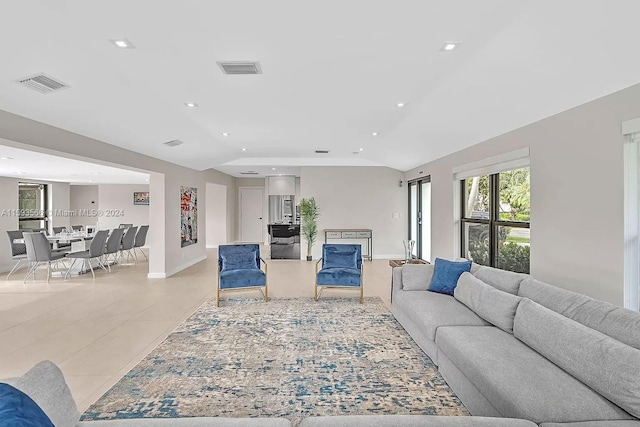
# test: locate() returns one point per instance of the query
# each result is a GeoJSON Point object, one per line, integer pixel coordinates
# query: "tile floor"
{"type": "Point", "coordinates": [97, 330]}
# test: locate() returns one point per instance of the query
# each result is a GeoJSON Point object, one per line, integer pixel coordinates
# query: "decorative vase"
{"type": "Point", "coordinates": [309, 258]}
{"type": "Point", "coordinates": [408, 249]}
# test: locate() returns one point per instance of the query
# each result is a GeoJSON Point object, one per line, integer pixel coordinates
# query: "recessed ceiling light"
{"type": "Point", "coordinates": [449, 46]}
{"type": "Point", "coordinates": [361, 149]}
{"type": "Point", "coordinates": [225, 134]}
{"type": "Point", "coordinates": [122, 43]}
{"type": "Point", "coordinates": [6, 158]}
{"type": "Point", "coordinates": [191, 104]}
{"type": "Point", "coordinates": [400, 104]}
{"type": "Point", "coordinates": [244, 149]}
{"type": "Point", "coordinates": [96, 173]}
{"type": "Point", "coordinates": [374, 133]}
{"type": "Point", "coordinates": [273, 169]}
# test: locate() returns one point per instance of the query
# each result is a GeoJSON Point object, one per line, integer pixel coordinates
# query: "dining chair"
{"type": "Point", "coordinates": [77, 227]}
{"type": "Point", "coordinates": [113, 246]}
{"type": "Point", "coordinates": [141, 239]}
{"type": "Point", "coordinates": [239, 269]}
{"type": "Point", "coordinates": [341, 268]}
{"type": "Point", "coordinates": [38, 252]}
{"type": "Point", "coordinates": [18, 250]}
{"type": "Point", "coordinates": [125, 226]}
{"type": "Point", "coordinates": [58, 230]}
{"type": "Point", "coordinates": [40, 230]}
{"type": "Point", "coordinates": [95, 251]}
{"type": "Point", "coordinates": [127, 243]}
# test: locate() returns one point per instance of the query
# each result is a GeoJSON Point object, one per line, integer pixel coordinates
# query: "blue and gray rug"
{"type": "Point", "coordinates": [290, 358]}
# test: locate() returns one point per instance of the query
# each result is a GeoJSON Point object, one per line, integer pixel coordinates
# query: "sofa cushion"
{"type": "Point", "coordinates": [603, 363]}
{"type": "Point", "coordinates": [242, 278]}
{"type": "Point", "coordinates": [506, 281]}
{"type": "Point", "coordinates": [612, 423]}
{"type": "Point", "coordinates": [519, 382]}
{"type": "Point", "coordinates": [189, 422]}
{"type": "Point", "coordinates": [412, 421]}
{"type": "Point", "coordinates": [494, 306]}
{"type": "Point", "coordinates": [45, 384]}
{"type": "Point", "coordinates": [339, 277]}
{"type": "Point", "coordinates": [430, 310]}
{"type": "Point", "coordinates": [239, 260]}
{"type": "Point", "coordinates": [446, 274]}
{"type": "Point", "coordinates": [341, 258]}
{"type": "Point", "coordinates": [612, 320]}
{"type": "Point", "coordinates": [18, 409]}
{"type": "Point", "coordinates": [417, 277]}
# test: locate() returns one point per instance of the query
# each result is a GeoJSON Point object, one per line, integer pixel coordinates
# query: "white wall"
{"type": "Point", "coordinates": [113, 198]}
{"type": "Point", "coordinates": [576, 194]}
{"type": "Point", "coordinates": [8, 221]}
{"type": "Point", "coordinates": [83, 198]}
{"type": "Point", "coordinates": [59, 200]}
{"type": "Point", "coordinates": [216, 215]}
{"type": "Point", "coordinates": [358, 197]}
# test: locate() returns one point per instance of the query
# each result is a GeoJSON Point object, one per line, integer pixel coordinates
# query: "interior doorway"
{"type": "Point", "coordinates": [251, 203]}
{"type": "Point", "coordinates": [216, 220]}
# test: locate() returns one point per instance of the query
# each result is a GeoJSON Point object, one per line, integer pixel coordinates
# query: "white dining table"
{"type": "Point", "coordinates": [80, 241]}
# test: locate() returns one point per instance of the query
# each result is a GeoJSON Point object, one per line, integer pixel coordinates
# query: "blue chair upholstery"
{"type": "Point", "coordinates": [239, 268]}
{"type": "Point", "coordinates": [341, 268]}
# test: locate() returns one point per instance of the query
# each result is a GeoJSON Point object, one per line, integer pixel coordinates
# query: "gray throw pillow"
{"type": "Point", "coordinates": [494, 306]}
{"type": "Point", "coordinates": [416, 277]}
{"type": "Point", "coordinates": [45, 384]}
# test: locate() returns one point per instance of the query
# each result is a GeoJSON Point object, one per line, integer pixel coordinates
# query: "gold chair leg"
{"type": "Point", "coordinates": [362, 284]}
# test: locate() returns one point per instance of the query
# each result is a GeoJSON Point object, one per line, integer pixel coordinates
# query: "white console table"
{"type": "Point", "coordinates": [352, 234]}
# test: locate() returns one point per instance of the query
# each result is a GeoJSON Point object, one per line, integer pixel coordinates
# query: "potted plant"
{"type": "Point", "coordinates": [309, 218]}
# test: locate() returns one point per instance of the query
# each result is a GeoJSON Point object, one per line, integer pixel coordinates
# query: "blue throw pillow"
{"type": "Point", "coordinates": [341, 259]}
{"type": "Point", "coordinates": [446, 274]}
{"type": "Point", "coordinates": [239, 261]}
{"type": "Point", "coordinates": [19, 410]}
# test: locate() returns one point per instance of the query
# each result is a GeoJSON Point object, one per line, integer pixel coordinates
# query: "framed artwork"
{"type": "Point", "coordinates": [188, 216]}
{"type": "Point", "coordinates": [141, 198]}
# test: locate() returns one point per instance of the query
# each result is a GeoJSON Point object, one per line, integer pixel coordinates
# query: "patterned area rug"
{"type": "Point", "coordinates": [290, 358]}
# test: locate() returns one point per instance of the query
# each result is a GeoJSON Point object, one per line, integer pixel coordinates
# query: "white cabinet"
{"type": "Point", "coordinates": [281, 185]}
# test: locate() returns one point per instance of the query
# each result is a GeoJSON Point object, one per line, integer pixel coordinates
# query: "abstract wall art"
{"type": "Point", "coordinates": [188, 216]}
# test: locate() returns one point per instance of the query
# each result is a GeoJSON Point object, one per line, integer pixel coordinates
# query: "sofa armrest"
{"type": "Point", "coordinates": [396, 280]}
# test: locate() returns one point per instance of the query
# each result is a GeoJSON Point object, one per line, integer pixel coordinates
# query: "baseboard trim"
{"type": "Point", "coordinates": [156, 276]}
{"type": "Point", "coordinates": [187, 265]}
{"type": "Point", "coordinates": [212, 246]}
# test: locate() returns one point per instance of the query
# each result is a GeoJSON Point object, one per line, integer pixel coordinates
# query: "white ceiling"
{"type": "Point", "coordinates": [333, 72]}
{"type": "Point", "coordinates": [30, 165]}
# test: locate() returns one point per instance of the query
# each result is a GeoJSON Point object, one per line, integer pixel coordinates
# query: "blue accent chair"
{"type": "Point", "coordinates": [239, 269]}
{"type": "Point", "coordinates": [341, 268]}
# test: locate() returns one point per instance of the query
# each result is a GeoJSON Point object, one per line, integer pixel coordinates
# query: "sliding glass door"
{"type": "Point", "coordinates": [420, 217]}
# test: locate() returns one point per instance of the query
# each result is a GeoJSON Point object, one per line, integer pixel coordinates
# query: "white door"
{"type": "Point", "coordinates": [251, 223]}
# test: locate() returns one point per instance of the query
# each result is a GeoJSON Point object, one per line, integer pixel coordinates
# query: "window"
{"type": "Point", "coordinates": [32, 205]}
{"type": "Point", "coordinates": [495, 219]}
{"type": "Point", "coordinates": [632, 218]}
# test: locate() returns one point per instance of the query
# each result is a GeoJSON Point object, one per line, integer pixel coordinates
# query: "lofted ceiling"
{"type": "Point", "coordinates": [333, 73]}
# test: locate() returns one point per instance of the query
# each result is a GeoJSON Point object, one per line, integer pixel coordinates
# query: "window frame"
{"type": "Point", "coordinates": [494, 221]}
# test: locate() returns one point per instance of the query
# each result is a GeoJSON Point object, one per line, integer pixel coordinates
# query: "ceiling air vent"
{"type": "Point", "coordinates": [173, 143]}
{"type": "Point", "coordinates": [322, 151]}
{"type": "Point", "coordinates": [42, 83]}
{"type": "Point", "coordinates": [249, 173]}
{"type": "Point", "coordinates": [240, 67]}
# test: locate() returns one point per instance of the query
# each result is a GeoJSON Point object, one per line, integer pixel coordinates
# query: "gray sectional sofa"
{"type": "Point", "coordinates": [512, 346]}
